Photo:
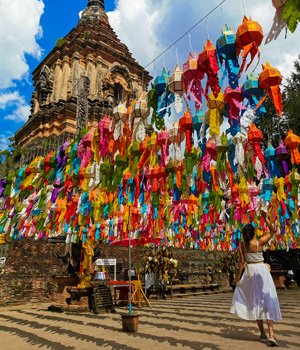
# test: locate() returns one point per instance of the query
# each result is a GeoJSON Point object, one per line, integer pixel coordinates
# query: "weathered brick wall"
{"type": "Point", "coordinates": [30, 266]}
{"type": "Point", "coordinates": [27, 274]}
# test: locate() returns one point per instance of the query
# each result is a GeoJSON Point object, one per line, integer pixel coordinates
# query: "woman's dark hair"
{"type": "Point", "coordinates": [248, 232]}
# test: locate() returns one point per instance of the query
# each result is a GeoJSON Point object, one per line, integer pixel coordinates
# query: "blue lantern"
{"type": "Point", "coordinates": [226, 51]}
{"type": "Point", "coordinates": [253, 92]}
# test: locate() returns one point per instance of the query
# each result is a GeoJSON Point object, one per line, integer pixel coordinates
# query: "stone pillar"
{"type": "Point", "coordinates": [99, 76]}
{"type": "Point", "coordinates": [57, 81]}
{"type": "Point", "coordinates": [65, 77]}
{"type": "Point", "coordinates": [75, 75]}
{"type": "Point", "coordinates": [90, 73]}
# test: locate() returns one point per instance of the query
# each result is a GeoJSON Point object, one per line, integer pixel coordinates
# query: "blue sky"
{"type": "Point", "coordinates": [30, 28]}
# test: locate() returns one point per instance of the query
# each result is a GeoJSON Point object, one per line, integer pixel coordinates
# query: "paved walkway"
{"type": "Point", "coordinates": [198, 322]}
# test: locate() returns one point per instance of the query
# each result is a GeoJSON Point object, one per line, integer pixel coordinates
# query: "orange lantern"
{"type": "Point", "coordinates": [249, 36]}
{"type": "Point", "coordinates": [157, 173]}
{"type": "Point", "coordinates": [292, 142]}
{"type": "Point", "coordinates": [269, 80]}
{"type": "Point", "coordinates": [186, 126]}
{"type": "Point", "coordinates": [208, 63]}
{"type": "Point", "coordinates": [255, 136]}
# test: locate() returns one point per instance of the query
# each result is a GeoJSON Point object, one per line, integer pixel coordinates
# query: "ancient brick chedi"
{"type": "Point", "coordinates": [87, 73]}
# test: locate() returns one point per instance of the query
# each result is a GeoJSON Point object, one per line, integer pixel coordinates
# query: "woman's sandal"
{"type": "Point", "coordinates": [263, 338]}
{"type": "Point", "coordinates": [273, 342]}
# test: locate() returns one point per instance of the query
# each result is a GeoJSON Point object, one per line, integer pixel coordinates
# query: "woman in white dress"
{"type": "Point", "coordinates": [255, 296]}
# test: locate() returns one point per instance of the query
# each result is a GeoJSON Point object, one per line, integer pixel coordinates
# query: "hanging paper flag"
{"type": "Point", "coordinates": [192, 77]}
{"type": "Point", "coordinates": [249, 36]}
{"type": "Point", "coordinates": [207, 63]}
{"type": "Point", "coordinates": [226, 50]}
{"type": "Point", "coordinates": [278, 22]}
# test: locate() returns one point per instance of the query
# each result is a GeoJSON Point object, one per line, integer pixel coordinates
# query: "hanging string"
{"type": "Point", "coordinates": [244, 7]}
{"type": "Point", "coordinates": [222, 14]}
{"type": "Point", "coordinates": [187, 32]}
{"type": "Point", "coordinates": [190, 42]}
{"type": "Point", "coordinates": [206, 27]}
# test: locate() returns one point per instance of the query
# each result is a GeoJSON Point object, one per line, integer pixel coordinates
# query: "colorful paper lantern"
{"type": "Point", "coordinates": [192, 77]}
{"type": "Point", "coordinates": [292, 142]}
{"type": "Point", "coordinates": [233, 98]}
{"type": "Point", "coordinates": [119, 112]}
{"type": "Point", "coordinates": [269, 80]}
{"type": "Point", "coordinates": [215, 105]}
{"type": "Point", "coordinates": [198, 120]}
{"type": "Point", "coordinates": [207, 63]}
{"type": "Point", "coordinates": [249, 36]}
{"type": "Point", "coordinates": [226, 51]}
{"type": "Point", "coordinates": [186, 126]}
{"type": "Point", "coordinates": [255, 137]}
{"type": "Point", "coordinates": [253, 92]}
{"type": "Point", "coordinates": [175, 83]}
{"type": "Point", "coordinates": [283, 156]}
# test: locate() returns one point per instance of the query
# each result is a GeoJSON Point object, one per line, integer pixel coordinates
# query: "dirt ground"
{"type": "Point", "coordinates": [196, 322]}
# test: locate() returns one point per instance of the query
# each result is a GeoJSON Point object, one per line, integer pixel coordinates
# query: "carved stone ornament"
{"type": "Point", "coordinates": [43, 85]}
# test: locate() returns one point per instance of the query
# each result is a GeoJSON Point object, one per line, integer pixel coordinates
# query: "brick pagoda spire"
{"type": "Point", "coordinates": [91, 55]}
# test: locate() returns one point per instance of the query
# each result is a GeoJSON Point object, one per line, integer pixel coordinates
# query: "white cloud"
{"type": "Point", "coordinates": [4, 140]}
{"type": "Point", "coordinates": [19, 29]}
{"type": "Point", "coordinates": [150, 26]}
{"type": "Point", "coordinates": [17, 104]}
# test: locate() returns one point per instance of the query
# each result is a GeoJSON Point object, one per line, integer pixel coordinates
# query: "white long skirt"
{"type": "Point", "coordinates": [255, 296]}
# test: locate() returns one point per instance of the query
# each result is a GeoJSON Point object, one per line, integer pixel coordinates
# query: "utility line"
{"type": "Point", "coordinates": [183, 35]}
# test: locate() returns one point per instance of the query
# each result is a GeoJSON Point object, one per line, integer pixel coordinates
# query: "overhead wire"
{"type": "Point", "coordinates": [184, 34]}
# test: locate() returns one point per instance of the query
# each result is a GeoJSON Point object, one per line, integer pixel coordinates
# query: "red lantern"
{"type": "Point", "coordinates": [269, 80]}
{"type": "Point", "coordinates": [207, 63]}
{"type": "Point", "coordinates": [234, 98]}
{"type": "Point", "coordinates": [192, 77]}
{"type": "Point", "coordinates": [249, 36]}
{"type": "Point", "coordinates": [292, 142]}
{"type": "Point", "coordinates": [186, 126]}
{"type": "Point", "coordinates": [156, 174]}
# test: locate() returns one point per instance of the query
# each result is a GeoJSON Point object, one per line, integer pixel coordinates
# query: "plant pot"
{"type": "Point", "coordinates": [130, 322]}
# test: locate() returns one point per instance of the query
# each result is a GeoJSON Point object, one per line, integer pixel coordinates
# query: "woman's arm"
{"type": "Point", "coordinates": [241, 264]}
{"type": "Point", "coordinates": [265, 239]}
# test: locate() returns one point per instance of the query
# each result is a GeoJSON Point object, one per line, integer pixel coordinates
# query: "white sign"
{"type": "Point", "coordinates": [105, 262]}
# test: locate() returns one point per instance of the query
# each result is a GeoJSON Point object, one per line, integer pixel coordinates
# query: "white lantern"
{"type": "Point", "coordinates": [175, 83]}
{"type": "Point", "coordinates": [141, 108]}
{"type": "Point", "coordinates": [119, 112]}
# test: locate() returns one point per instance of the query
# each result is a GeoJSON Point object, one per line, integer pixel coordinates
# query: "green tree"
{"type": "Point", "coordinates": [291, 98]}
